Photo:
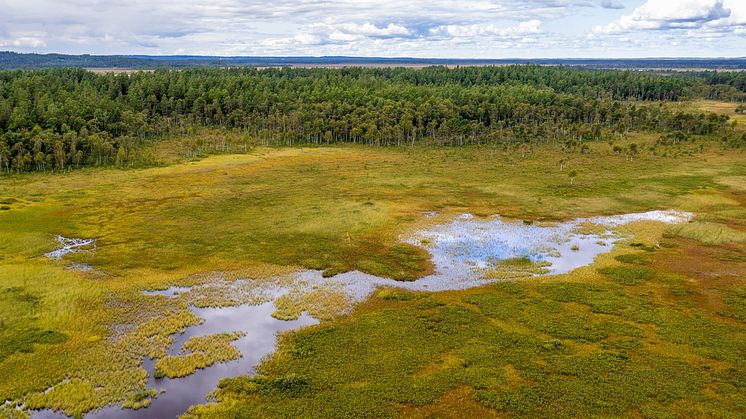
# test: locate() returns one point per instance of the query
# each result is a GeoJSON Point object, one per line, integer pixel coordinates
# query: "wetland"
{"type": "Point", "coordinates": [466, 242]}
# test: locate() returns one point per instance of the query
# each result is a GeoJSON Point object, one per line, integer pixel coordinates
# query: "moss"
{"type": "Point", "coordinates": [321, 303]}
{"type": "Point", "coordinates": [735, 299]}
{"type": "Point", "coordinates": [587, 228]}
{"type": "Point", "coordinates": [559, 359]}
{"type": "Point", "coordinates": [633, 259]}
{"type": "Point", "coordinates": [601, 299]}
{"type": "Point", "coordinates": [290, 385]}
{"type": "Point", "coordinates": [628, 275]}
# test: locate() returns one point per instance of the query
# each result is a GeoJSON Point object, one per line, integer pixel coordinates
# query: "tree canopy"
{"type": "Point", "coordinates": [61, 118]}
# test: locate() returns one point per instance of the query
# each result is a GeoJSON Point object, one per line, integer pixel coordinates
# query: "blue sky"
{"type": "Point", "coordinates": [390, 28]}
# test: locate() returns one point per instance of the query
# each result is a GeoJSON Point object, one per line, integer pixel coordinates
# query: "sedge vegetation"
{"type": "Point", "coordinates": [654, 328]}
{"type": "Point", "coordinates": [203, 351]}
{"type": "Point", "coordinates": [258, 213]}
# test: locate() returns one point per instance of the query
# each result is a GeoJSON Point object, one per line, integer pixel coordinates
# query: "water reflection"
{"type": "Point", "coordinates": [180, 393]}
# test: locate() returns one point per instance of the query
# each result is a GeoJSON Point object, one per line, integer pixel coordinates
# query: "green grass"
{"type": "Point", "coordinates": [710, 233]}
{"type": "Point", "coordinates": [17, 332]}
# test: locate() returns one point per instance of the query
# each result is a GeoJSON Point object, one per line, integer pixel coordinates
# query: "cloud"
{"type": "Point", "coordinates": [612, 4]}
{"type": "Point", "coordinates": [667, 14]}
{"type": "Point", "coordinates": [737, 17]}
{"type": "Point", "coordinates": [460, 31]}
{"type": "Point", "coordinates": [433, 28]}
{"type": "Point", "coordinates": [369, 29]}
{"type": "Point", "coordinates": [24, 42]}
{"type": "Point", "coordinates": [307, 39]}
{"type": "Point", "coordinates": [327, 33]}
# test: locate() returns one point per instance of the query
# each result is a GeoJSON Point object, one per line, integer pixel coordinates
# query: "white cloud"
{"type": "Point", "coordinates": [307, 39]}
{"type": "Point", "coordinates": [432, 28]}
{"type": "Point", "coordinates": [369, 29]}
{"type": "Point", "coordinates": [344, 37]}
{"type": "Point", "coordinates": [24, 42]}
{"type": "Point", "coordinates": [668, 14]}
{"type": "Point", "coordinates": [737, 15]}
{"type": "Point", "coordinates": [331, 32]}
{"type": "Point", "coordinates": [460, 31]}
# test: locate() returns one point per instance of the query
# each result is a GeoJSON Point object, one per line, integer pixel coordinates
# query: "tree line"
{"type": "Point", "coordinates": [63, 118]}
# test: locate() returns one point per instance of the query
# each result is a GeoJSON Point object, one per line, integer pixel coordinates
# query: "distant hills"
{"type": "Point", "coordinates": [14, 60]}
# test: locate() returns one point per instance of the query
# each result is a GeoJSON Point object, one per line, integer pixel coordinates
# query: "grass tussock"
{"type": "Point", "coordinates": [74, 396]}
{"type": "Point", "coordinates": [321, 303]}
{"type": "Point", "coordinates": [140, 399]}
{"type": "Point", "coordinates": [515, 268]}
{"type": "Point", "coordinates": [202, 352]}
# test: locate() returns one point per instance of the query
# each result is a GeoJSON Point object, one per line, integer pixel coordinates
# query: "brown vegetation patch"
{"type": "Point", "coordinates": [724, 264]}
{"type": "Point", "coordinates": [457, 404]}
{"type": "Point", "coordinates": [711, 269]}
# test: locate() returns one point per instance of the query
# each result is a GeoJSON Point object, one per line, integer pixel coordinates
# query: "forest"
{"type": "Point", "coordinates": [61, 119]}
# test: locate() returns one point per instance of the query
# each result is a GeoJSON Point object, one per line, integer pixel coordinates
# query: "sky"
{"type": "Point", "coordinates": [380, 28]}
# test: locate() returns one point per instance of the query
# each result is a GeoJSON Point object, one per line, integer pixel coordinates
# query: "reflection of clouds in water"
{"type": "Point", "coordinates": [261, 331]}
{"type": "Point", "coordinates": [462, 249]}
{"type": "Point", "coordinates": [479, 243]}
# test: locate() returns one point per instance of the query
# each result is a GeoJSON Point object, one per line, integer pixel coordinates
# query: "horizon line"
{"type": "Point", "coordinates": [380, 57]}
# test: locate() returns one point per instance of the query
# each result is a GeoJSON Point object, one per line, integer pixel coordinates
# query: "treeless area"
{"type": "Point", "coordinates": [655, 327]}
